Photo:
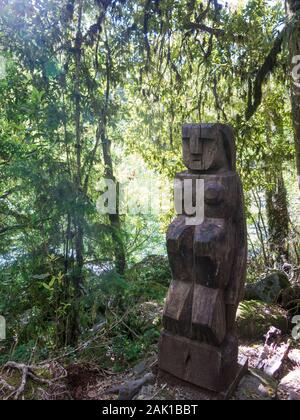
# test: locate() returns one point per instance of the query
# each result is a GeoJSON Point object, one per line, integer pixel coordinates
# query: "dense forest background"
{"type": "Point", "coordinates": [94, 89]}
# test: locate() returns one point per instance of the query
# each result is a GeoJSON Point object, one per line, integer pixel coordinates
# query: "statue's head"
{"type": "Point", "coordinates": [208, 147]}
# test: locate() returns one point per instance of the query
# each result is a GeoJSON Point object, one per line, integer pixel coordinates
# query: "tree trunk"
{"type": "Point", "coordinates": [278, 218]}
{"type": "Point", "coordinates": [74, 322]}
{"type": "Point", "coordinates": [293, 13]}
{"type": "Point", "coordinates": [115, 222]}
{"type": "Point", "coordinates": [119, 251]}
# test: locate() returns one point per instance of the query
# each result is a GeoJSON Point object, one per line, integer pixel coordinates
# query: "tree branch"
{"type": "Point", "coordinates": [6, 194]}
{"type": "Point", "coordinates": [28, 225]}
{"type": "Point", "coordinates": [255, 93]}
{"type": "Point", "coordinates": [9, 228]}
{"type": "Point", "coordinates": [204, 28]}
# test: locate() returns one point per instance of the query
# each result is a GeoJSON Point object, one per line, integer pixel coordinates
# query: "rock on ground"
{"type": "Point", "coordinates": [256, 385]}
{"type": "Point", "coordinates": [294, 357]}
{"type": "Point", "coordinates": [290, 299]}
{"type": "Point", "coordinates": [290, 385]}
{"type": "Point", "coordinates": [268, 289]}
{"type": "Point", "coordinates": [129, 389]}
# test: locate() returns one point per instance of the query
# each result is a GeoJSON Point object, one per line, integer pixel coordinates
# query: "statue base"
{"type": "Point", "coordinates": [215, 369]}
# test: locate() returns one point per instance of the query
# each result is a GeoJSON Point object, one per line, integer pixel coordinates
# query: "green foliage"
{"type": "Point", "coordinates": [254, 319]}
{"type": "Point", "coordinates": [126, 352]}
{"type": "Point", "coordinates": [71, 114]}
{"type": "Point", "coordinates": [149, 279]}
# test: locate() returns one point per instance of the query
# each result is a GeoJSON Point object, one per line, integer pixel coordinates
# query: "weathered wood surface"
{"type": "Point", "coordinates": [208, 263]}
{"type": "Point", "coordinates": [274, 353]}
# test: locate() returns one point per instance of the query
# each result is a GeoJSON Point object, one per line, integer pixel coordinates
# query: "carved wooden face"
{"type": "Point", "coordinates": [203, 148]}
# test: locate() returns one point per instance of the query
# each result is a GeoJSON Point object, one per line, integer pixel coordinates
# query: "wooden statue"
{"type": "Point", "coordinates": [199, 343]}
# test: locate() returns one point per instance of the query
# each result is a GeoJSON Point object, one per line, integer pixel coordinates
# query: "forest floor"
{"type": "Point", "coordinates": [117, 359]}
{"type": "Point", "coordinates": [87, 381]}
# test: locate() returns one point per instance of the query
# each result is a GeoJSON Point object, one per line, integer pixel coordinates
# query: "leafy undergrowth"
{"type": "Point", "coordinates": [120, 345]}
{"type": "Point", "coordinates": [122, 320]}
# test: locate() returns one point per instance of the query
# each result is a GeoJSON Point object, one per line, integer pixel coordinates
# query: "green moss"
{"type": "Point", "coordinates": [268, 289]}
{"type": "Point", "coordinates": [43, 373]}
{"type": "Point", "coordinates": [14, 379]}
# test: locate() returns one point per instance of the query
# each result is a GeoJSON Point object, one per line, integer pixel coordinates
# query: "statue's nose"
{"type": "Point", "coordinates": [196, 146]}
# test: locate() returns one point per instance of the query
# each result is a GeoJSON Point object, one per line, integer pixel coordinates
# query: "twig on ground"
{"type": "Point", "coordinates": [87, 343]}
{"type": "Point", "coordinates": [27, 372]}
{"type": "Point", "coordinates": [5, 385]}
